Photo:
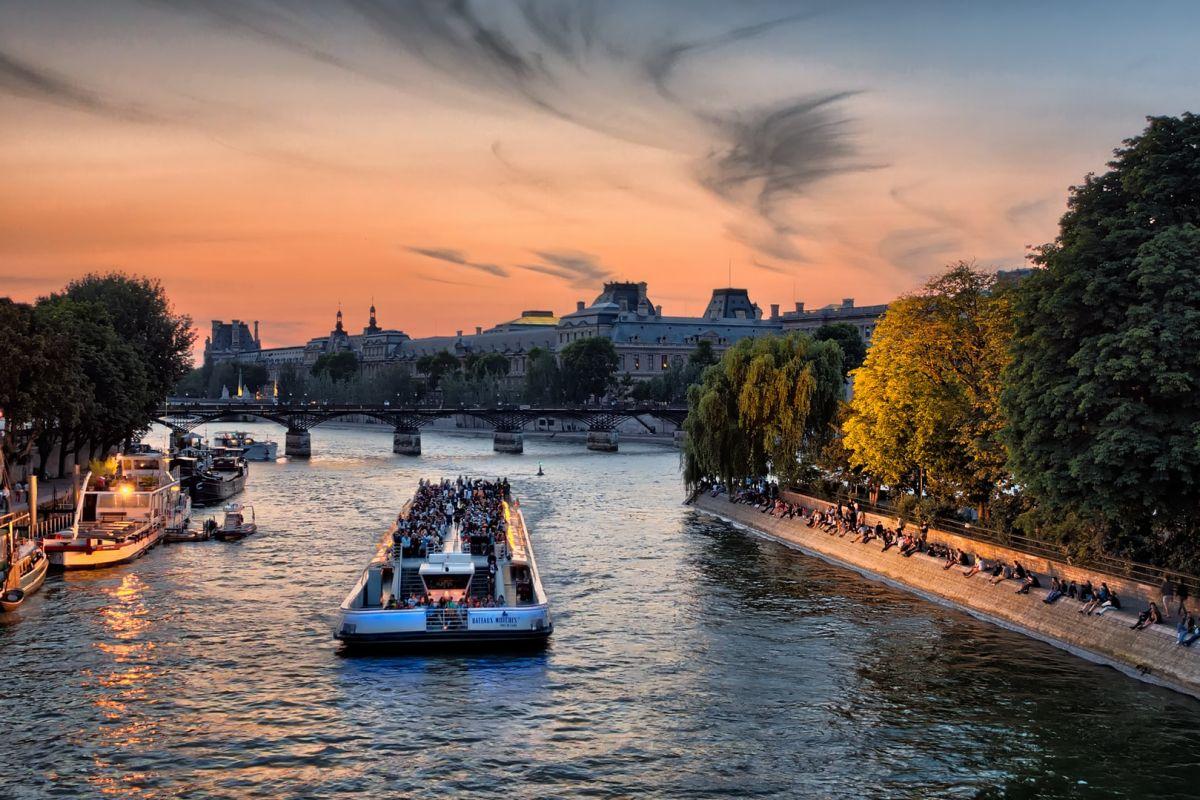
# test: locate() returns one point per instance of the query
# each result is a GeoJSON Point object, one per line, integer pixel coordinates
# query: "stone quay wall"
{"type": "Point", "coordinates": [1150, 655]}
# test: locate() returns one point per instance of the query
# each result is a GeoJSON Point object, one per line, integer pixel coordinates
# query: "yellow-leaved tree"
{"type": "Point", "coordinates": [925, 414]}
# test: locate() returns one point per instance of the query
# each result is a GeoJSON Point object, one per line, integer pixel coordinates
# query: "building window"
{"type": "Point", "coordinates": [637, 363]}
{"type": "Point", "coordinates": [664, 362]}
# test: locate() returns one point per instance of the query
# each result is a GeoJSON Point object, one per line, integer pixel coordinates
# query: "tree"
{"type": "Point", "coordinates": [437, 365]}
{"type": "Point", "coordinates": [767, 407]}
{"type": "Point", "coordinates": [543, 379]}
{"type": "Point", "coordinates": [925, 411]}
{"type": "Point", "coordinates": [703, 355]}
{"type": "Point", "coordinates": [1102, 392]}
{"type": "Point", "coordinates": [142, 315]}
{"type": "Point", "coordinates": [28, 379]}
{"type": "Point", "coordinates": [486, 365]}
{"type": "Point", "coordinates": [588, 367]}
{"type": "Point", "coordinates": [340, 367]}
{"type": "Point", "coordinates": [854, 349]}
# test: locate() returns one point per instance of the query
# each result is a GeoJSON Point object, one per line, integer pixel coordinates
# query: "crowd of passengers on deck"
{"type": "Point", "coordinates": [474, 505]}
{"type": "Point", "coordinates": [844, 519]}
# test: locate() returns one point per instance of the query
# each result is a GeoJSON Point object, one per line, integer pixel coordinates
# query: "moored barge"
{"type": "Point", "coordinates": [456, 570]}
{"type": "Point", "coordinates": [117, 518]}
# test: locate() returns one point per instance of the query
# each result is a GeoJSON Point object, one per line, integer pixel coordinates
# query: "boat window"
{"type": "Point", "coordinates": [446, 582]}
{"type": "Point", "coordinates": [89, 507]}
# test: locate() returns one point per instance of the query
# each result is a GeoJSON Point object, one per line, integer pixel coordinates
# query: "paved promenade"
{"type": "Point", "coordinates": [1151, 655]}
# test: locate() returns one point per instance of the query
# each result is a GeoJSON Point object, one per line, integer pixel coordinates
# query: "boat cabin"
{"type": "Point", "coordinates": [447, 575]}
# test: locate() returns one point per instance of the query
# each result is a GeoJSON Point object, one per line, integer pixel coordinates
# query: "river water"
{"type": "Point", "coordinates": [688, 660]}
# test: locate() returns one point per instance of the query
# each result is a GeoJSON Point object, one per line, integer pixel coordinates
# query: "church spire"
{"type": "Point", "coordinates": [339, 318]}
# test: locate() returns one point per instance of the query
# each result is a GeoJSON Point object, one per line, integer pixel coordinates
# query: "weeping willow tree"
{"type": "Point", "coordinates": [767, 407]}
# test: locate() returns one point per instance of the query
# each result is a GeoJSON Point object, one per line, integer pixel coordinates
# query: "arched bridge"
{"type": "Point", "coordinates": [507, 422]}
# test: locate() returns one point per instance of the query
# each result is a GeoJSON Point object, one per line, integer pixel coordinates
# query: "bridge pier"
{"type": "Point", "coordinates": [602, 441]}
{"type": "Point", "coordinates": [406, 442]}
{"type": "Point", "coordinates": [508, 442]}
{"type": "Point", "coordinates": [679, 437]}
{"type": "Point", "coordinates": [298, 444]}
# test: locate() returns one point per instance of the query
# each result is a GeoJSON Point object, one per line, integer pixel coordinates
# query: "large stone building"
{"type": "Point", "coordinates": [231, 341]}
{"type": "Point", "coordinates": [648, 342]}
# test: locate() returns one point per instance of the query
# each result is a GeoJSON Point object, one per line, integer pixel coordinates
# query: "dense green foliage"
{"type": "Point", "coordinates": [672, 385]}
{"type": "Point", "coordinates": [435, 366]}
{"type": "Point", "coordinates": [925, 413]}
{"type": "Point", "coordinates": [854, 349]}
{"type": "Point", "coordinates": [87, 367]}
{"type": "Point", "coordinates": [1103, 393]}
{"type": "Point", "coordinates": [339, 367]}
{"type": "Point", "coordinates": [543, 379]}
{"type": "Point", "coordinates": [485, 365]}
{"type": "Point", "coordinates": [768, 406]}
{"type": "Point", "coordinates": [587, 368]}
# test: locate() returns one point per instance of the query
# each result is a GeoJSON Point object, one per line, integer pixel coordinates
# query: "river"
{"type": "Point", "coordinates": [688, 660]}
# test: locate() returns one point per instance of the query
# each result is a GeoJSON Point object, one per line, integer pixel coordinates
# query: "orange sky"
{"type": "Point", "coordinates": [269, 160]}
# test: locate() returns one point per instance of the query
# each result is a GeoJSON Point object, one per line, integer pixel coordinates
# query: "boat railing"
{"type": "Point", "coordinates": [445, 619]}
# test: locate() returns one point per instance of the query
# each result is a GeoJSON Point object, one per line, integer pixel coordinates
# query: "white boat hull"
{"type": "Point", "coordinates": [97, 553]}
{"type": "Point", "coordinates": [483, 626]}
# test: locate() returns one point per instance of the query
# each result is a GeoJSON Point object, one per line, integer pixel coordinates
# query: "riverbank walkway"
{"type": "Point", "coordinates": [1151, 654]}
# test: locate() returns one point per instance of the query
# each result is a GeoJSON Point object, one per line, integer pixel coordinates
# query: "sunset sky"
{"type": "Point", "coordinates": [461, 162]}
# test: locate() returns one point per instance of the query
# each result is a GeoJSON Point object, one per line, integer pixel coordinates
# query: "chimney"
{"type": "Point", "coordinates": [579, 305]}
{"type": "Point", "coordinates": [256, 339]}
{"type": "Point", "coordinates": [774, 310]}
{"type": "Point", "coordinates": [658, 311]}
{"type": "Point", "coordinates": [458, 334]}
{"type": "Point", "coordinates": [799, 307]}
{"type": "Point", "coordinates": [848, 302]}
{"type": "Point", "coordinates": [478, 329]}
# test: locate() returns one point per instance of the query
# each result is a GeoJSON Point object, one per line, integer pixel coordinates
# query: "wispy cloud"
{"type": "Point", "coordinates": [1026, 210]}
{"type": "Point", "coordinates": [24, 79]}
{"type": "Point", "coordinates": [918, 250]}
{"type": "Point", "coordinates": [610, 67]}
{"type": "Point", "coordinates": [580, 270]}
{"type": "Point", "coordinates": [459, 258]}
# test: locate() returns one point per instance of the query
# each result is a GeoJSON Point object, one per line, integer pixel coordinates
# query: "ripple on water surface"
{"type": "Point", "coordinates": [688, 660]}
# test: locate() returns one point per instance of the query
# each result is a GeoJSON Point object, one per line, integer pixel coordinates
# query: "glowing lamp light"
{"type": "Point", "coordinates": [126, 489]}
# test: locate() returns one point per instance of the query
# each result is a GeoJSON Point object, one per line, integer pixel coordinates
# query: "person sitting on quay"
{"type": "Point", "coordinates": [1099, 597]}
{"type": "Point", "coordinates": [1186, 631]}
{"type": "Point", "coordinates": [1030, 581]}
{"type": "Point", "coordinates": [978, 566]}
{"type": "Point", "coordinates": [1151, 616]}
{"type": "Point", "coordinates": [1056, 591]}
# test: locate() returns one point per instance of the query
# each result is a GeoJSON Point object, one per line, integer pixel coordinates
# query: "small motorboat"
{"type": "Point", "coordinates": [189, 533]}
{"type": "Point", "coordinates": [235, 525]}
{"type": "Point", "coordinates": [26, 570]}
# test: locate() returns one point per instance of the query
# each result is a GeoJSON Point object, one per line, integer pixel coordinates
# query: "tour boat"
{"type": "Point", "coordinates": [221, 478]}
{"type": "Point", "coordinates": [252, 449]}
{"type": "Point", "coordinates": [25, 572]}
{"type": "Point", "coordinates": [462, 604]}
{"type": "Point", "coordinates": [235, 526]}
{"type": "Point", "coordinates": [119, 518]}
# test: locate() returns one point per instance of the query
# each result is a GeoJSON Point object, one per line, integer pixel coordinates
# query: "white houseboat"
{"type": "Point", "coordinates": [252, 449]}
{"type": "Point", "coordinates": [118, 518]}
{"type": "Point", "coordinates": [446, 579]}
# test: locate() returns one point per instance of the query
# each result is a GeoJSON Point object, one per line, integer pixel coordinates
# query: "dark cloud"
{"type": "Point", "coordinates": [23, 79]}
{"type": "Point", "coordinates": [459, 258]}
{"type": "Point", "coordinates": [770, 267]}
{"type": "Point", "coordinates": [434, 279]}
{"type": "Point", "coordinates": [773, 154]}
{"type": "Point", "coordinates": [660, 63]}
{"type": "Point", "coordinates": [580, 270]}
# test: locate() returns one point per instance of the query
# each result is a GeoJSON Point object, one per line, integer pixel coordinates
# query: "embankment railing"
{"type": "Point", "coordinates": [1108, 565]}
